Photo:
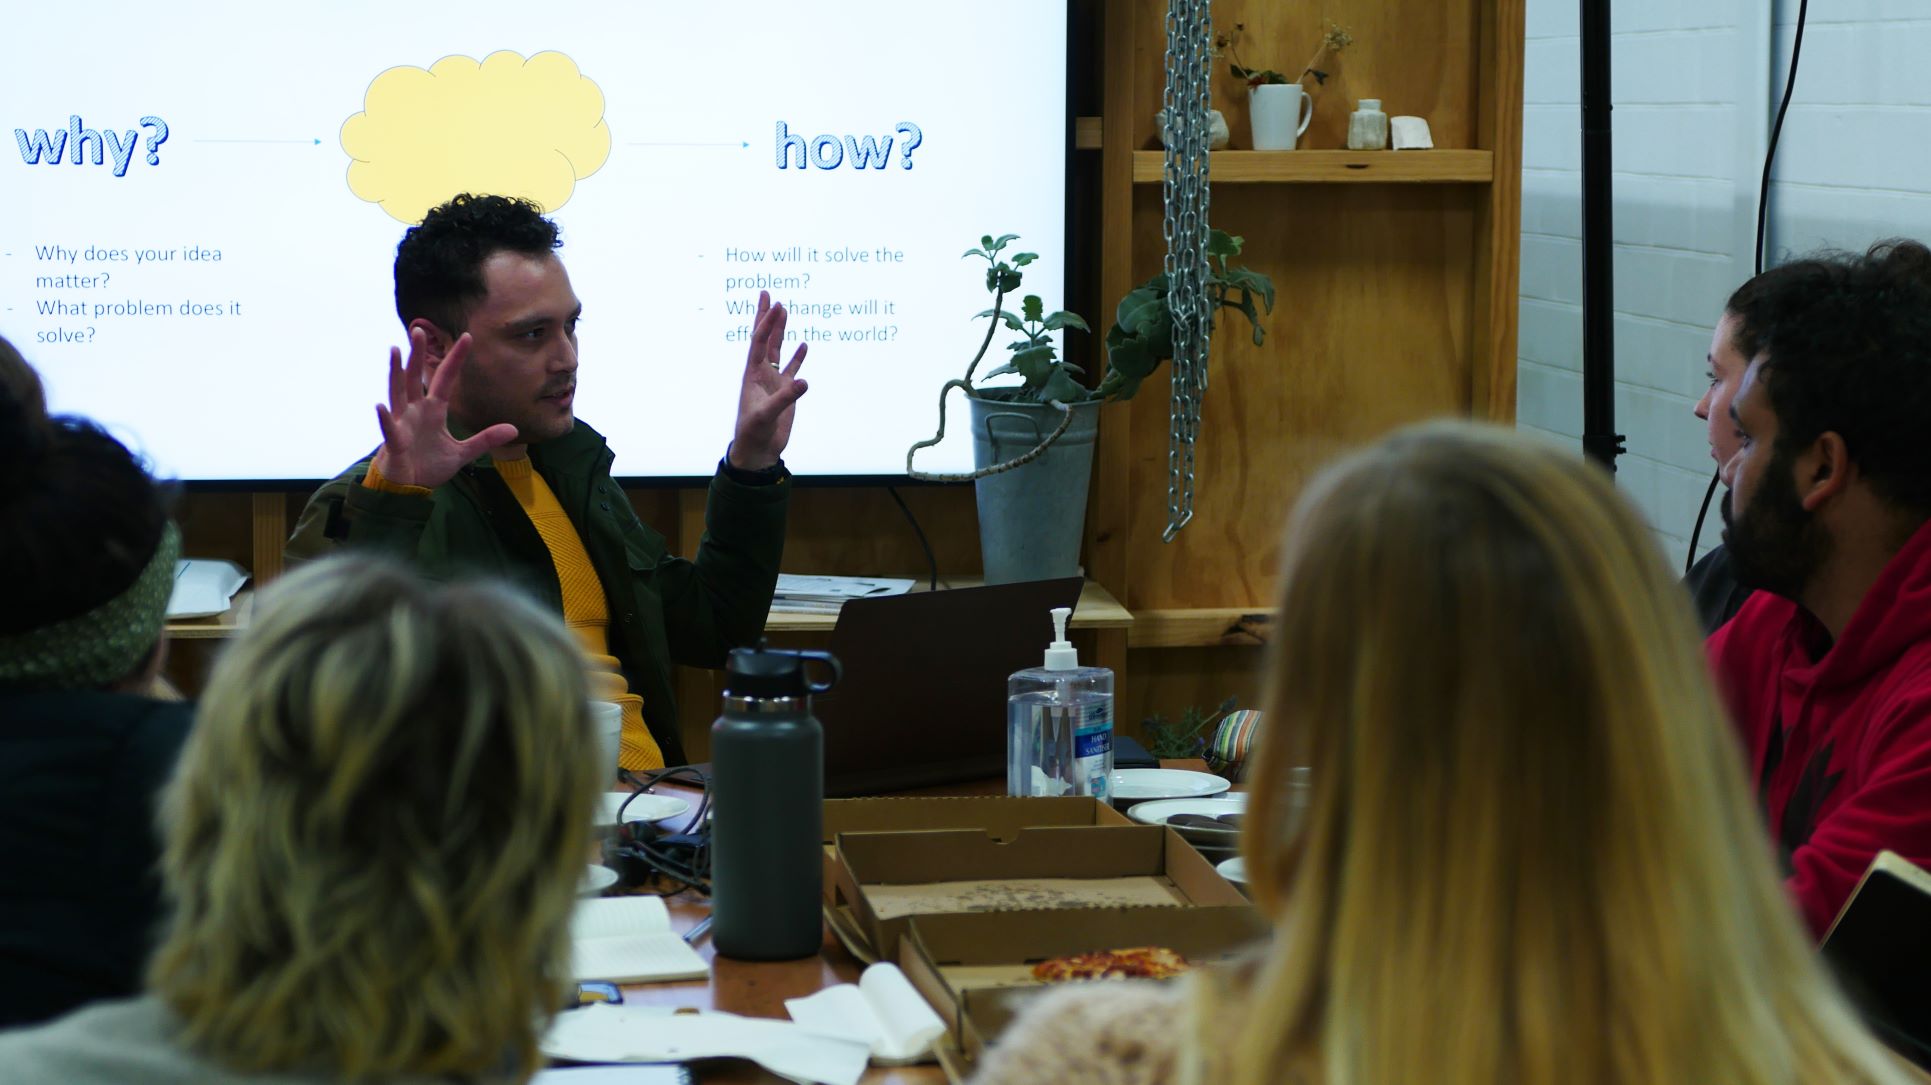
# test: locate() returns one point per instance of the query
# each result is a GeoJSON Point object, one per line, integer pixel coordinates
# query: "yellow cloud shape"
{"type": "Point", "coordinates": [506, 126]}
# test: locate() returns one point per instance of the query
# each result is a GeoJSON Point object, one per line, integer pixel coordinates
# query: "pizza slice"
{"type": "Point", "coordinates": [1138, 962]}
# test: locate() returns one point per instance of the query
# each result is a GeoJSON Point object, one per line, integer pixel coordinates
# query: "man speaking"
{"type": "Point", "coordinates": [484, 468]}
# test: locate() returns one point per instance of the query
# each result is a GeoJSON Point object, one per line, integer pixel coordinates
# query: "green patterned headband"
{"type": "Point", "coordinates": [102, 646]}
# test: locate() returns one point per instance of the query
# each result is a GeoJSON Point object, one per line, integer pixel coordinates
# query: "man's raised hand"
{"type": "Point", "coordinates": [417, 447]}
{"type": "Point", "coordinates": [768, 394]}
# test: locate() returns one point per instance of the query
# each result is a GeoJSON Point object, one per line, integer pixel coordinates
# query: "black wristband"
{"type": "Point", "coordinates": [763, 476]}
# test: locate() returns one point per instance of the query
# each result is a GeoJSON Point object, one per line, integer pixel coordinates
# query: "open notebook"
{"type": "Point", "coordinates": [882, 1010]}
{"type": "Point", "coordinates": [629, 940]}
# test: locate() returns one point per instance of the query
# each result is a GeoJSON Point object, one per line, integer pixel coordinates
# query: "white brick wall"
{"type": "Point", "coordinates": [1693, 89]}
{"type": "Point", "coordinates": [1675, 77]}
{"type": "Point", "coordinates": [1854, 164]}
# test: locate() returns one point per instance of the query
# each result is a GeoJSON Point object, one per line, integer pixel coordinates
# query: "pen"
{"type": "Point", "coordinates": [691, 936]}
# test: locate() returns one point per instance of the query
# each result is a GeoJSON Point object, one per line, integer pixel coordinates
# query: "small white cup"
{"type": "Point", "coordinates": [608, 717]}
{"type": "Point", "coordinates": [1280, 113]}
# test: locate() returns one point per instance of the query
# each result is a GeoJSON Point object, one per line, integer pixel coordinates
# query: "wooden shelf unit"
{"type": "Point", "coordinates": [1201, 627]}
{"type": "Point", "coordinates": [230, 622]}
{"type": "Point", "coordinates": [1097, 609]}
{"type": "Point", "coordinates": [1330, 167]}
{"type": "Point", "coordinates": [1396, 273]}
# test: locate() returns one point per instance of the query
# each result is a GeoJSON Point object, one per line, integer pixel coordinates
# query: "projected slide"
{"type": "Point", "coordinates": [201, 220]}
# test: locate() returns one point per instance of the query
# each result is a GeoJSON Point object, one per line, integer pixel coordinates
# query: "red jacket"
{"type": "Point", "coordinates": [1838, 737]}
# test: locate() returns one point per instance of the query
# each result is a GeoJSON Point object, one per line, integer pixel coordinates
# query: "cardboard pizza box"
{"type": "Point", "coordinates": [1000, 816]}
{"type": "Point", "coordinates": [977, 969]}
{"type": "Point", "coordinates": [882, 880]}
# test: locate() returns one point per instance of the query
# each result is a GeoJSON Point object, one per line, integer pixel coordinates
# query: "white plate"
{"type": "Point", "coordinates": [1133, 785]}
{"type": "Point", "coordinates": [1158, 811]}
{"type": "Point", "coordinates": [647, 807]}
{"type": "Point", "coordinates": [1234, 870]}
{"type": "Point", "coordinates": [596, 879]}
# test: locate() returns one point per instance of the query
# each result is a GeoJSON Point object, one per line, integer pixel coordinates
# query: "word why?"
{"type": "Point", "coordinates": [73, 142]}
{"type": "Point", "coordinates": [828, 152]}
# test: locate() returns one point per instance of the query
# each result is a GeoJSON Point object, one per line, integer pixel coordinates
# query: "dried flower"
{"type": "Point", "coordinates": [1229, 43]}
{"type": "Point", "coordinates": [1334, 38]}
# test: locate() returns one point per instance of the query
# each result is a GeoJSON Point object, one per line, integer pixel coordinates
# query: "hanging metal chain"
{"type": "Point", "coordinates": [1184, 196]}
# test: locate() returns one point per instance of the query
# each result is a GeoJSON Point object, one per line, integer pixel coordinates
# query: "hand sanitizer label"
{"type": "Point", "coordinates": [1058, 744]}
{"type": "Point", "coordinates": [1093, 749]}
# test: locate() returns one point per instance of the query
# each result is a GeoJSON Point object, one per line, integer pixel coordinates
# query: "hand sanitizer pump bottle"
{"type": "Point", "coordinates": [1059, 724]}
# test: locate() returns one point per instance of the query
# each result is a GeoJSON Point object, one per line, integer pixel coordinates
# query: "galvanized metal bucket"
{"type": "Point", "coordinates": [1031, 517]}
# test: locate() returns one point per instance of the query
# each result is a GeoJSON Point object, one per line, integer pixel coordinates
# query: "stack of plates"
{"type": "Point", "coordinates": [1205, 814]}
{"type": "Point", "coordinates": [1212, 822]}
{"type": "Point", "coordinates": [1211, 825]}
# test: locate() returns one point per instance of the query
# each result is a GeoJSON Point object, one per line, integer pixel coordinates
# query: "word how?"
{"type": "Point", "coordinates": [828, 152]}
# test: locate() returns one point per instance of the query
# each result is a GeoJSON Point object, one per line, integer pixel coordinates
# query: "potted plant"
{"type": "Point", "coordinates": [1030, 520]}
{"type": "Point", "coordinates": [1033, 442]}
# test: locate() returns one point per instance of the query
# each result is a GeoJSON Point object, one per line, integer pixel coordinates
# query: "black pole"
{"type": "Point", "coordinates": [1599, 437]}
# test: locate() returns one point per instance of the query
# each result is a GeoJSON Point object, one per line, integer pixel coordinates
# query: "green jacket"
{"type": "Point", "coordinates": [663, 609]}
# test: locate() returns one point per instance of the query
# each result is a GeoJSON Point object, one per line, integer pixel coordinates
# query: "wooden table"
{"type": "Point", "coordinates": [760, 988]}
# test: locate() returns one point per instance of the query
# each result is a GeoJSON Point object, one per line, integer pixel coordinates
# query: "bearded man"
{"type": "Point", "coordinates": [1827, 668]}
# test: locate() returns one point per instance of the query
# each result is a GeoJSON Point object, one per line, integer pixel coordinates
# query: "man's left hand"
{"type": "Point", "coordinates": [769, 394]}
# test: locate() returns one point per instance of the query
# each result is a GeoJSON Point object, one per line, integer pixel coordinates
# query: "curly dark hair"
{"type": "Point", "coordinates": [439, 264]}
{"type": "Point", "coordinates": [79, 514]}
{"type": "Point", "coordinates": [1845, 343]}
{"type": "Point", "coordinates": [1747, 305]}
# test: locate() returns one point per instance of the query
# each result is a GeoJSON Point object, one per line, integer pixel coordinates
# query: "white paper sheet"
{"type": "Point", "coordinates": [800, 594]}
{"type": "Point", "coordinates": [839, 588]}
{"type": "Point", "coordinates": [604, 1033]}
{"type": "Point", "coordinates": [204, 587]}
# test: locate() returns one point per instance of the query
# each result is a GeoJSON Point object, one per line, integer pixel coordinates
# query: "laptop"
{"type": "Point", "coordinates": [923, 697]}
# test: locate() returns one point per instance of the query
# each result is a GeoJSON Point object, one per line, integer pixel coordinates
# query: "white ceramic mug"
{"type": "Point", "coordinates": [1280, 113]}
{"type": "Point", "coordinates": [608, 718]}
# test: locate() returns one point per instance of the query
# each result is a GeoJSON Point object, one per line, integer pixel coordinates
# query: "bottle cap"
{"type": "Point", "coordinates": [751, 672]}
{"type": "Point", "coordinates": [1370, 105]}
{"type": "Point", "coordinates": [1061, 655]}
{"type": "Point", "coordinates": [767, 672]}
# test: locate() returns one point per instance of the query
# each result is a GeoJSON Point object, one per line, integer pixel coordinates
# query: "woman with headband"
{"type": "Point", "coordinates": [89, 552]}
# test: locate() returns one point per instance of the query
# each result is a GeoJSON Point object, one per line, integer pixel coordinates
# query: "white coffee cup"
{"type": "Point", "coordinates": [1280, 113]}
{"type": "Point", "coordinates": [608, 718]}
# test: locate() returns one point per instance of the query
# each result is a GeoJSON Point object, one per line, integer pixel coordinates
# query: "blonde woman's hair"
{"type": "Point", "coordinates": [375, 834]}
{"type": "Point", "coordinates": [1527, 853]}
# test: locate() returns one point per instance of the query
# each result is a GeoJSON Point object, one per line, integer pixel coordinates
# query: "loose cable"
{"type": "Point", "coordinates": [1763, 216]}
{"type": "Point", "coordinates": [931, 563]}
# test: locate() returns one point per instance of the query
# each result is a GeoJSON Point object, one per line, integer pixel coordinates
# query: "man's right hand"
{"type": "Point", "coordinates": [417, 447]}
